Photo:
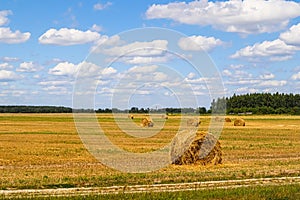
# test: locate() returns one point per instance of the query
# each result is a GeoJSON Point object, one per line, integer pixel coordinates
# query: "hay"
{"type": "Point", "coordinates": [227, 119]}
{"type": "Point", "coordinates": [239, 122]}
{"type": "Point", "coordinates": [164, 117]}
{"type": "Point", "coordinates": [193, 122]}
{"type": "Point", "coordinates": [203, 149]}
{"type": "Point", "coordinates": [130, 116]}
{"type": "Point", "coordinates": [147, 122]}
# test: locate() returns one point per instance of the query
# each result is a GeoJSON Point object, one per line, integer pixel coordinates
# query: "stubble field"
{"type": "Point", "coordinates": [44, 151]}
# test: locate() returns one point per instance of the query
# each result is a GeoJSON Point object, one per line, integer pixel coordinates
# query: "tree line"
{"type": "Point", "coordinates": [260, 103]}
{"type": "Point", "coordinates": [35, 109]}
{"type": "Point", "coordinates": [255, 103]}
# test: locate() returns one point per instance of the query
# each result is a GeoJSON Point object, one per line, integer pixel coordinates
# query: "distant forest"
{"type": "Point", "coordinates": [254, 103]}
{"type": "Point", "coordinates": [260, 103]}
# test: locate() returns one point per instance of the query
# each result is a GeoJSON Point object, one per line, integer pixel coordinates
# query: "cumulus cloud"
{"type": "Point", "coordinates": [143, 69]}
{"type": "Point", "coordinates": [5, 66]}
{"type": "Point", "coordinates": [96, 28]}
{"type": "Point", "coordinates": [291, 37]}
{"type": "Point", "coordinates": [296, 76]}
{"type": "Point", "coordinates": [275, 50]}
{"type": "Point", "coordinates": [83, 69]}
{"type": "Point", "coordinates": [152, 48]}
{"type": "Point", "coordinates": [267, 76]}
{"type": "Point", "coordinates": [100, 6]}
{"type": "Point", "coordinates": [3, 17]}
{"type": "Point", "coordinates": [66, 37]}
{"type": "Point", "coordinates": [6, 75]}
{"type": "Point", "coordinates": [63, 69]}
{"type": "Point", "coordinates": [9, 59]}
{"type": "Point", "coordinates": [28, 67]}
{"type": "Point", "coordinates": [274, 83]}
{"type": "Point", "coordinates": [10, 37]}
{"type": "Point", "coordinates": [199, 43]}
{"type": "Point", "coordinates": [240, 16]}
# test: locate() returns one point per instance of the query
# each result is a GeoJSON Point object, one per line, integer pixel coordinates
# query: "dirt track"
{"type": "Point", "coordinates": [149, 188]}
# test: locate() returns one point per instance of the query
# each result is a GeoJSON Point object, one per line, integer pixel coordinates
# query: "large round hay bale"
{"type": "Point", "coordinates": [147, 122]}
{"type": "Point", "coordinates": [239, 122]}
{"type": "Point", "coordinates": [193, 122]}
{"type": "Point", "coordinates": [130, 116]}
{"type": "Point", "coordinates": [227, 119]}
{"type": "Point", "coordinates": [202, 150]}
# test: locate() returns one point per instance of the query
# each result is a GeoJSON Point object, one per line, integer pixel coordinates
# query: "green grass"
{"type": "Point", "coordinates": [285, 192]}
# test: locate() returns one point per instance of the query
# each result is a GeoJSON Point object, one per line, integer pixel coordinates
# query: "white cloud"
{"type": "Point", "coordinates": [63, 69]}
{"type": "Point", "coordinates": [191, 75]}
{"type": "Point", "coordinates": [5, 66]}
{"type": "Point", "coordinates": [199, 43]}
{"type": "Point", "coordinates": [96, 28]}
{"type": "Point", "coordinates": [245, 17]}
{"type": "Point", "coordinates": [9, 37]}
{"type": "Point", "coordinates": [296, 76]}
{"type": "Point", "coordinates": [108, 71]}
{"type": "Point", "coordinates": [9, 59]}
{"type": "Point", "coordinates": [100, 6]}
{"type": "Point", "coordinates": [275, 50]}
{"type": "Point", "coordinates": [145, 60]}
{"type": "Point", "coordinates": [246, 90]}
{"type": "Point", "coordinates": [28, 67]}
{"type": "Point", "coordinates": [3, 17]}
{"type": "Point", "coordinates": [273, 83]}
{"type": "Point", "coordinates": [83, 69]}
{"type": "Point", "coordinates": [143, 69]}
{"type": "Point", "coordinates": [56, 83]}
{"type": "Point", "coordinates": [226, 72]}
{"type": "Point", "coordinates": [153, 48]}
{"type": "Point", "coordinates": [6, 75]}
{"type": "Point", "coordinates": [103, 41]}
{"type": "Point", "coordinates": [291, 37]}
{"type": "Point", "coordinates": [66, 37]}
{"type": "Point", "coordinates": [267, 76]}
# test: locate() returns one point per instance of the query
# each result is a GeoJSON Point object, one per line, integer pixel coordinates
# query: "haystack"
{"type": "Point", "coordinates": [239, 122]}
{"type": "Point", "coordinates": [227, 119]}
{"type": "Point", "coordinates": [193, 122]}
{"type": "Point", "coordinates": [164, 117]}
{"type": "Point", "coordinates": [147, 122]}
{"type": "Point", "coordinates": [130, 116]}
{"type": "Point", "coordinates": [202, 150]}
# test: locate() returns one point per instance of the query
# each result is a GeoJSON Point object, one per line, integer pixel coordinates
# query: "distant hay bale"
{"type": "Point", "coordinates": [239, 122]}
{"type": "Point", "coordinates": [147, 122]}
{"type": "Point", "coordinates": [130, 116]}
{"type": "Point", "coordinates": [219, 119]}
{"type": "Point", "coordinates": [164, 117]}
{"type": "Point", "coordinates": [227, 119]}
{"type": "Point", "coordinates": [193, 122]}
{"type": "Point", "coordinates": [203, 149]}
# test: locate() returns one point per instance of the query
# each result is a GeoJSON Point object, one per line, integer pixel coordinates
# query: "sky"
{"type": "Point", "coordinates": [146, 53]}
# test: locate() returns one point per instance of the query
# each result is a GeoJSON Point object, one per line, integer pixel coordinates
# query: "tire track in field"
{"type": "Point", "coordinates": [149, 188]}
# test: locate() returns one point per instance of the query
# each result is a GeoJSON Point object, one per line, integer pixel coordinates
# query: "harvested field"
{"type": "Point", "coordinates": [45, 151]}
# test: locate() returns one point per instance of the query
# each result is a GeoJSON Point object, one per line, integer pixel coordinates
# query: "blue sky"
{"type": "Point", "coordinates": [255, 46]}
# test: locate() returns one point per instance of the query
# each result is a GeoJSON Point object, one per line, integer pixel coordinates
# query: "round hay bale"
{"type": "Point", "coordinates": [164, 116]}
{"type": "Point", "coordinates": [227, 119]}
{"type": "Point", "coordinates": [203, 149]}
{"type": "Point", "coordinates": [147, 122]}
{"type": "Point", "coordinates": [239, 122]}
{"type": "Point", "coordinates": [193, 122]}
{"type": "Point", "coordinates": [131, 116]}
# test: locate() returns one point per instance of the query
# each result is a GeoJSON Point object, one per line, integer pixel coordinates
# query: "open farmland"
{"type": "Point", "coordinates": [40, 151]}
